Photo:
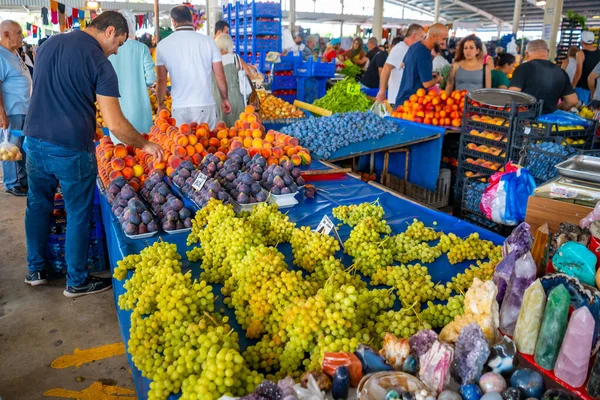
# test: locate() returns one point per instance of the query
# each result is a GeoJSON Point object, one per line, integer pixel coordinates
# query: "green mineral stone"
{"type": "Point", "coordinates": [554, 326]}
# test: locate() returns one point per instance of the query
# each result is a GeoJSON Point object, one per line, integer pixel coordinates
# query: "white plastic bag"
{"type": "Point", "coordinates": [591, 217]}
{"type": "Point", "coordinates": [8, 151]}
{"type": "Point", "coordinates": [379, 109]}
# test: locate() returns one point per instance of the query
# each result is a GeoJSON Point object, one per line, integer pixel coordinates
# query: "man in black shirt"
{"type": "Point", "coordinates": [373, 47]}
{"type": "Point", "coordinates": [544, 80]}
{"type": "Point", "coordinates": [371, 77]}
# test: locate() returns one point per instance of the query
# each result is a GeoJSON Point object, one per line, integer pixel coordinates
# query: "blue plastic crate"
{"type": "Point", "coordinates": [257, 45]}
{"type": "Point", "coordinates": [288, 63]}
{"type": "Point", "coordinates": [255, 27]}
{"type": "Point", "coordinates": [313, 68]}
{"type": "Point", "coordinates": [283, 82]}
{"type": "Point", "coordinates": [370, 92]}
{"type": "Point", "coordinates": [311, 89]}
{"type": "Point", "coordinates": [263, 9]}
{"type": "Point", "coordinates": [227, 11]}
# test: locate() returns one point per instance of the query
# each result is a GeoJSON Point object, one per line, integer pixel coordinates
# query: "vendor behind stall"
{"type": "Point", "coordinates": [356, 54]}
{"type": "Point", "coordinates": [333, 50]}
{"type": "Point", "coordinates": [543, 79]}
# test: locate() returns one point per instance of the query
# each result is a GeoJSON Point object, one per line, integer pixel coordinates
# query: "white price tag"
{"type": "Point", "coordinates": [199, 182]}
{"type": "Point", "coordinates": [325, 226]}
{"type": "Point", "coordinates": [527, 130]}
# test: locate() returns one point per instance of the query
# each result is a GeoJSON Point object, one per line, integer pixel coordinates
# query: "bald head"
{"type": "Point", "coordinates": [11, 35]}
{"type": "Point", "coordinates": [436, 35]}
{"type": "Point", "coordinates": [537, 50]}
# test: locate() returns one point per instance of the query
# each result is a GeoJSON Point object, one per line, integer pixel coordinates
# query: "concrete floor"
{"type": "Point", "coordinates": [38, 325]}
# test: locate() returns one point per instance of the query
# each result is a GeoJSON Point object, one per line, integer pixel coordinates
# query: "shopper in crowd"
{"type": "Point", "coordinates": [569, 64]}
{"type": "Point", "coordinates": [299, 46]}
{"type": "Point", "coordinates": [373, 47]}
{"type": "Point", "coordinates": [439, 61]}
{"type": "Point", "coordinates": [190, 59]}
{"type": "Point", "coordinates": [418, 65]}
{"type": "Point", "coordinates": [391, 75]}
{"type": "Point", "coordinates": [15, 91]}
{"type": "Point", "coordinates": [135, 71]}
{"type": "Point", "coordinates": [333, 50]}
{"type": "Point", "coordinates": [372, 76]}
{"type": "Point", "coordinates": [308, 50]}
{"type": "Point", "coordinates": [221, 28]}
{"type": "Point", "coordinates": [504, 64]}
{"type": "Point", "coordinates": [28, 57]}
{"type": "Point", "coordinates": [232, 64]}
{"type": "Point", "coordinates": [59, 134]}
{"type": "Point", "coordinates": [356, 54]}
{"type": "Point", "coordinates": [593, 82]}
{"type": "Point", "coordinates": [469, 72]}
{"type": "Point", "coordinates": [499, 50]}
{"type": "Point", "coordinates": [587, 58]}
{"type": "Point", "coordinates": [543, 79]}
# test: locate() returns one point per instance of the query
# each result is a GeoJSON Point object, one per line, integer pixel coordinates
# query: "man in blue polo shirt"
{"type": "Point", "coordinates": [418, 64]}
{"type": "Point", "coordinates": [72, 72]}
{"type": "Point", "coordinates": [15, 91]}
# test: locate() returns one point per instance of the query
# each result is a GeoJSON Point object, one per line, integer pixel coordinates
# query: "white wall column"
{"type": "Point", "coordinates": [213, 14]}
{"type": "Point", "coordinates": [552, 18]}
{"type": "Point", "coordinates": [378, 19]}
{"type": "Point", "coordinates": [517, 16]}
{"type": "Point", "coordinates": [292, 17]}
{"type": "Point", "coordinates": [436, 11]}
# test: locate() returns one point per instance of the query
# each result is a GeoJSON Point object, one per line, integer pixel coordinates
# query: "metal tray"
{"type": "Point", "coordinates": [500, 97]}
{"type": "Point", "coordinates": [583, 168]}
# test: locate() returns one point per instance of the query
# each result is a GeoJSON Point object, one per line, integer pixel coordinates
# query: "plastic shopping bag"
{"type": "Point", "coordinates": [8, 151]}
{"type": "Point", "coordinates": [591, 217]}
{"type": "Point", "coordinates": [505, 199]}
{"type": "Point", "coordinates": [379, 109]}
{"type": "Point", "coordinates": [564, 118]}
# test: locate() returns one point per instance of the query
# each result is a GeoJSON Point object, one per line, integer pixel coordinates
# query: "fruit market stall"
{"type": "Point", "coordinates": [399, 214]}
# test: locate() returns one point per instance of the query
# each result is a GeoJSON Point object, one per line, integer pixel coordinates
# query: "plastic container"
{"type": "Point", "coordinates": [288, 63]}
{"type": "Point", "coordinates": [142, 236]}
{"type": "Point", "coordinates": [283, 82]}
{"type": "Point", "coordinates": [178, 231]}
{"type": "Point", "coordinates": [282, 200]}
{"type": "Point", "coordinates": [258, 27]}
{"type": "Point", "coordinates": [257, 44]}
{"type": "Point", "coordinates": [437, 199]}
{"type": "Point", "coordinates": [240, 208]}
{"type": "Point", "coordinates": [259, 9]}
{"type": "Point", "coordinates": [311, 89]}
{"type": "Point", "coordinates": [311, 68]}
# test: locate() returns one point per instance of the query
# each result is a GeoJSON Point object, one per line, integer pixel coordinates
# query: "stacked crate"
{"type": "Point", "coordinates": [312, 79]}
{"type": "Point", "coordinates": [256, 29]}
{"type": "Point", "coordinates": [484, 149]}
{"type": "Point", "coordinates": [284, 82]}
{"type": "Point", "coordinates": [55, 248]}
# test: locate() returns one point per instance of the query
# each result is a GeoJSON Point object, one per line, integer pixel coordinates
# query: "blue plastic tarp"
{"type": "Point", "coordinates": [309, 212]}
{"type": "Point", "coordinates": [423, 160]}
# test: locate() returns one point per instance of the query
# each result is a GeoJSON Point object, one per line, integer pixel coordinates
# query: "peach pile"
{"type": "Point", "coordinates": [490, 135]}
{"type": "Point", "coordinates": [119, 160]}
{"type": "Point", "coordinates": [485, 164]}
{"type": "Point", "coordinates": [490, 120]}
{"type": "Point", "coordinates": [487, 149]}
{"type": "Point", "coordinates": [433, 108]}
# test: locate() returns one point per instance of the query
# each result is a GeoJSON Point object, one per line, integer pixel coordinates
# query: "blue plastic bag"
{"type": "Point", "coordinates": [564, 118]}
{"type": "Point", "coordinates": [519, 185]}
{"type": "Point", "coordinates": [505, 199]}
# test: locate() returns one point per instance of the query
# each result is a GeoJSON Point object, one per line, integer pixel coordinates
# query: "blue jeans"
{"type": "Point", "coordinates": [13, 172]}
{"type": "Point", "coordinates": [47, 166]}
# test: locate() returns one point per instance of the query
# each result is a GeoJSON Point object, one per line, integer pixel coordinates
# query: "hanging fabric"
{"type": "Point", "coordinates": [54, 11]}
{"type": "Point", "coordinates": [140, 21]}
{"type": "Point", "coordinates": [28, 28]}
{"type": "Point", "coordinates": [81, 14]}
{"type": "Point", "coordinates": [62, 20]}
{"type": "Point", "coordinates": [35, 31]}
{"type": "Point", "coordinates": [92, 14]}
{"type": "Point", "coordinates": [44, 16]}
{"type": "Point", "coordinates": [75, 12]}
{"type": "Point", "coordinates": [69, 22]}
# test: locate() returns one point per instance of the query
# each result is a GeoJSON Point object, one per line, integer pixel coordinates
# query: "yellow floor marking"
{"type": "Point", "coordinates": [96, 391]}
{"type": "Point", "coordinates": [80, 357]}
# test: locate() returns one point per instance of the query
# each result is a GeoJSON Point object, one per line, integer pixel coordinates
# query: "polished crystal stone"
{"type": "Point", "coordinates": [530, 318]}
{"type": "Point", "coordinates": [554, 326]}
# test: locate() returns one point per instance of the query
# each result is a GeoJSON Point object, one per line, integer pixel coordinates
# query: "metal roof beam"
{"type": "Point", "coordinates": [482, 13]}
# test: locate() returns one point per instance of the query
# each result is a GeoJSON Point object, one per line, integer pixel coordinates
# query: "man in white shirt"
{"type": "Point", "coordinates": [298, 47]}
{"type": "Point", "coordinates": [190, 59]}
{"type": "Point", "coordinates": [391, 75]}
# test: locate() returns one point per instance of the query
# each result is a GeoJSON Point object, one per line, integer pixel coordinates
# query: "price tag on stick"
{"type": "Point", "coordinates": [199, 182]}
{"type": "Point", "coordinates": [326, 226]}
{"type": "Point", "coordinates": [353, 89]}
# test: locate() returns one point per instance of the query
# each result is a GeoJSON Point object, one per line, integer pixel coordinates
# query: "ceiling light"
{"type": "Point", "coordinates": [92, 5]}
{"type": "Point", "coordinates": [540, 3]}
{"type": "Point", "coordinates": [596, 17]}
